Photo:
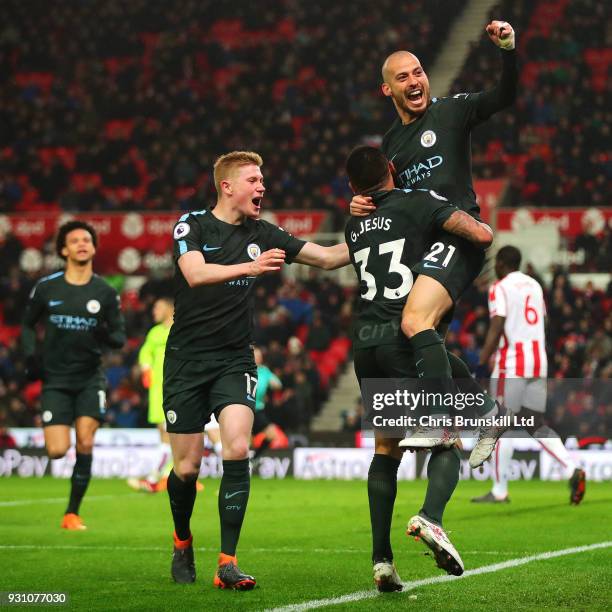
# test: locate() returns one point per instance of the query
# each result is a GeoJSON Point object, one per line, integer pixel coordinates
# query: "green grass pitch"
{"type": "Point", "coordinates": [305, 540]}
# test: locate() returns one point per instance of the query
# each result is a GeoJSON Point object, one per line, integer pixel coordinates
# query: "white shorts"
{"type": "Point", "coordinates": [517, 393]}
{"type": "Point", "coordinates": [212, 424]}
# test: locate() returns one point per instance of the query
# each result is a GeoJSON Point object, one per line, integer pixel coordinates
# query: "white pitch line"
{"type": "Point", "coordinates": [408, 586]}
{"type": "Point", "coordinates": [57, 500]}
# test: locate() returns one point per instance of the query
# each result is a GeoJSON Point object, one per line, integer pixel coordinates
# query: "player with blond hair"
{"type": "Point", "coordinates": [209, 367]}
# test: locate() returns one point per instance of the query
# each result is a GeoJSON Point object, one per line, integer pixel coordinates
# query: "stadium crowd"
{"type": "Point", "coordinates": [296, 326]}
{"type": "Point", "coordinates": [130, 113]}
{"type": "Point", "coordinates": [554, 144]}
{"type": "Point", "coordinates": [108, 106]}
{"type": "Point", "coordinates": [296, 323]}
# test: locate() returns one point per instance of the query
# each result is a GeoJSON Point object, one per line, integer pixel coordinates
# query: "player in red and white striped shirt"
{"type": "Point", "coordinates": [517, 311]}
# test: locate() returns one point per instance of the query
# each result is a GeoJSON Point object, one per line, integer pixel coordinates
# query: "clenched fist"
{"type": "Point", "coordinates": [502, 34]}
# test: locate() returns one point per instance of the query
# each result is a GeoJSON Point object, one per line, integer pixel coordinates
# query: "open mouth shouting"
{"type": "Point", "coordinates": [415, 96]}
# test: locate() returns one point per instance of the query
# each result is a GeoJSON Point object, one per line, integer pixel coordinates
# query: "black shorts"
{"type": "Point", "coordinates": [65, 406]}
{"type": "Point", "coordinates": [385, 361]}
{"type": "Point", "coordinates": [454, 262]}
{"type": "Point", "coordinates": [261, 421]}
{"type": "Point", "coordinates": [194, 390]}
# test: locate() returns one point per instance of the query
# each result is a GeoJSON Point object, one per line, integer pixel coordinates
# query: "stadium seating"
{"type": "Point", "coordinates": [263, 76]}
{"type": "Point", "coordinates": [562, 50]}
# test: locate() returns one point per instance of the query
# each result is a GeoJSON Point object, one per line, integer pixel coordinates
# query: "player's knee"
{"type": "Point", "coordinates": [56, 451]}
{"type": "Point", "coordinates": [187, 469]}
{"type": "Point", "coordinates": [85, 447]}
{"type": "Point", "coordinates": [412, 323]}
{"type": "Point", "coordinates": [236, 449]}
{"type": "Point", "coordinates": [388, 447]}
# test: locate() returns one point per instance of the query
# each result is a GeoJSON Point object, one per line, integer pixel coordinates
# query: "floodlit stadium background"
{"type": "Point", "coordinates": [114, 112]}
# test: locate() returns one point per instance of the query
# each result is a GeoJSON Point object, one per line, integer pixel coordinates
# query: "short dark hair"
{"type": "Point", "coordinates": [68, 227]}
{"type": "Point", "coordinates": [509, 256]}
{"type": "Point", "coordinates": [367, 168]}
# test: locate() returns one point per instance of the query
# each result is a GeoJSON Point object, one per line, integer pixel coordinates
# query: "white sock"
{"type": "Point", "coordinates": [502, 456]}
{"type": "Point", "coordinates": [550, 441]}
{"type": "Point", "coordinates": [164, 457]}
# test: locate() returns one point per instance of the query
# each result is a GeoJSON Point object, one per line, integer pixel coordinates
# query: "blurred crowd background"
{"type": "Point", "coordinates": [112, 105]}
{"type": "Point", "coordinates": [108, 105]}
{"type": "Point", "coordinates": [303, 330]}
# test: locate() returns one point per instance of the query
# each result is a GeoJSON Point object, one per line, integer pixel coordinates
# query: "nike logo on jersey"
{"type": "Point", "coordinates": [430, 265]}
{"type": "Point", "coordinates": [207, 249]}
{"type": "Point", "coordinates": [53, 303]}
{"type": "Point", "coordinates": [229, 495]}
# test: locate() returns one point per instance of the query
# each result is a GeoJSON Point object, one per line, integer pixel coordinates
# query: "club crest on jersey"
{"type": "Point", "coordinates": [93, 306]}
{"type": "Point", "coordinates": [428, 138]}
{"type": "Point", "coordinates": [253, 250]}
{"type": "Point", "coordinates": [171, 416]}
{"type": "Point", "coordinates": [181, 230]}
{"type": "Point", "coordinates": [47, 415]}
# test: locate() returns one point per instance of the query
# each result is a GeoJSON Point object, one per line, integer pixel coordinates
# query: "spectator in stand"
{"type": "Point", "coordinates": [112, 91]}
{"type": "Point", "coordinates": [351, 419]}
{"type": "Point", "coordinates": [319, 335]}
{"type": "Point", "coordinates": [6, 439]}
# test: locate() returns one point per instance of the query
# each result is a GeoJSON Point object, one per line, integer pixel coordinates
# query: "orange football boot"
{"type": "Point", "coordinates": [73, 522]}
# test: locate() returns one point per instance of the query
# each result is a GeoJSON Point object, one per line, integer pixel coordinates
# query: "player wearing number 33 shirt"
{"type": "Point", "coordinates": [386, 245]}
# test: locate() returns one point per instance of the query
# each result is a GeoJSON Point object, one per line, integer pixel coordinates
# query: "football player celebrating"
{"type": "Point", "coordinates": [429, 146]}
{"type": "Point", "coordinates": [209, 368]}
{"type": "Point", "coordinates": [383, 249]}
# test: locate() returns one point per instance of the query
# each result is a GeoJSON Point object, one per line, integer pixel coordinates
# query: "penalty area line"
{"type": "Point", "coordinates": [408, 586]}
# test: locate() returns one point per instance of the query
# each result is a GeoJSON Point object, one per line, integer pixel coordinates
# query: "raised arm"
{"type": "Point", "coordinates": [464, 225]}
{"type": "Point", "coordinates": [503, 94]}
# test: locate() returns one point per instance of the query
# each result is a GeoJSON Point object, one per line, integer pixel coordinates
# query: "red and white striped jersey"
{"type": "Point", "coordinates": [522, 346]}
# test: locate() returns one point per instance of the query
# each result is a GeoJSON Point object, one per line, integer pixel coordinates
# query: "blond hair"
{"type": "Point", "coordinates": [225, 164]}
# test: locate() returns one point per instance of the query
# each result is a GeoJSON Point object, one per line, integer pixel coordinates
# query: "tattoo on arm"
{"type": "Point", "coordinates": [462, 224]}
